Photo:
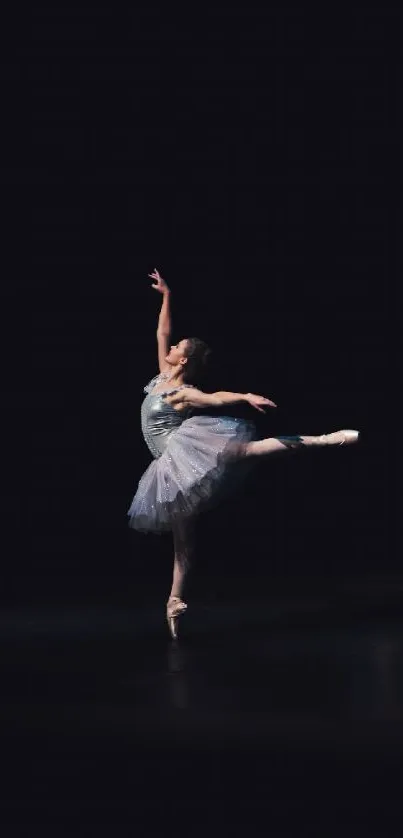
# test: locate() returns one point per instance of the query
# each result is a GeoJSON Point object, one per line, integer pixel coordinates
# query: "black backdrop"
{"type": "Point", "coordinates": [250, 157]}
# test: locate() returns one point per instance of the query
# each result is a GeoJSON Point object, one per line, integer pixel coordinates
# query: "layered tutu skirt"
{"type": "Point", "coordinates": [202, 463]}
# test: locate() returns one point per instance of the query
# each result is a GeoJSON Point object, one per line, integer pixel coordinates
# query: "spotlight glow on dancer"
{"type": "Point", "coordinates": [195, 457]}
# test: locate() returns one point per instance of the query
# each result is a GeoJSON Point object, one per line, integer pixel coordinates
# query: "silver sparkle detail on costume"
{"type": "Point", "coordinates": [159, 419]}
{"type": "Point", "coordinates": [194, 461]}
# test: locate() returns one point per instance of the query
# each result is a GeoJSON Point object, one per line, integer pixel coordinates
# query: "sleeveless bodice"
{"type": "Point", "coordinates": [158, 418]}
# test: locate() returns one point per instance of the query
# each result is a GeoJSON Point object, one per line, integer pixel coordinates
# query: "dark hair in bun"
{"type": "Point", "coordinates": [197, 353]}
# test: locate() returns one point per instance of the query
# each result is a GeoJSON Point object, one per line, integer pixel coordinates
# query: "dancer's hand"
{"type": "Point", "coordinates": [159, 284]}
{"type": "Point", "coordinates": [259, 402]}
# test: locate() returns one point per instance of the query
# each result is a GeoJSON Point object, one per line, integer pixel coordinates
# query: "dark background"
{"type": "Point", "coordinates": [251, 157]}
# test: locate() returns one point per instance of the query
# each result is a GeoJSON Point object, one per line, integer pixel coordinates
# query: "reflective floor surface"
{"type": "Point", "coordinates": [283, 708]}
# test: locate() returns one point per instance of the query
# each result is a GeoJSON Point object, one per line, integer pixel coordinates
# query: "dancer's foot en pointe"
{"type": "Point", "coordinates": [335, 438]}
{"type": "Point", "coordinates": [175, 609]}
{"type": "Point", "coordinates": [281, 443]}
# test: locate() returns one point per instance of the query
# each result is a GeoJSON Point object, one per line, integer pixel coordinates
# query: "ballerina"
{"type": "Point", "coordinates": [195, 456]}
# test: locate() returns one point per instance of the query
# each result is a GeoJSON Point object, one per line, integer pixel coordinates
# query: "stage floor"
{"type": "Point", "coordinates": [98, 705]}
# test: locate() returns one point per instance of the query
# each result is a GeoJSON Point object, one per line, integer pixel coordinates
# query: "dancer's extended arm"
{"type": "Point", "coordinates": [164, 320]}
{"type": "Point", "coordinates": [197, 398]}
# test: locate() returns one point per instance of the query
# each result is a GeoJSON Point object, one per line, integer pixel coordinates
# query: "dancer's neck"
{"type": "Point", "coordinates": [175, 376]}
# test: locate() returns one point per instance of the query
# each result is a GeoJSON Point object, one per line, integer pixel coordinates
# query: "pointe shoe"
{"type": "Point", "coordinates": [175, 608]}
{"type": "Point", "coordinates": [339, 438]}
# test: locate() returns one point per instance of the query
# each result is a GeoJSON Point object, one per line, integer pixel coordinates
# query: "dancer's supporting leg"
{"type": "Point", "coordinates": [183, 554]}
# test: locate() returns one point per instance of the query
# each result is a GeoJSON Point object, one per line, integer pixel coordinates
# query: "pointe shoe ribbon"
{"type": "Point", "coordinates": [175, 608]}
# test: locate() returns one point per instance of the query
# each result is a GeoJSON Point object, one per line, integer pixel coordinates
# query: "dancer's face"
{"type": "Point", "coordinates": [176, 354]}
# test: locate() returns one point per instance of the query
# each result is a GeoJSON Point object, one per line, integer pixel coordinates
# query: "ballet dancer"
{"type": "Point", "coordinates": [195, 456]}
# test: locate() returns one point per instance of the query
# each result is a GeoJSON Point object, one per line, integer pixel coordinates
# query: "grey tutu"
{"type": "Point", "coordinates": [201, 462]}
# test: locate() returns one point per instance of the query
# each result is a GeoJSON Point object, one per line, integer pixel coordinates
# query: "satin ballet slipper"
{"type": "Point", "coordinates": [175, 608]}
{"type": "Point", "coordinates": [339, 438]}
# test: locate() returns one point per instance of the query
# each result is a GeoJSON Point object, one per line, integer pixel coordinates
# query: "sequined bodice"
{"type": "Point", "coordinates": [159, 418]}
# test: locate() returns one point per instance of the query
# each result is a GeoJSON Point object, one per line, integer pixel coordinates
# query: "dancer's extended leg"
{"type": "Point", "coordinates": [271, 445]}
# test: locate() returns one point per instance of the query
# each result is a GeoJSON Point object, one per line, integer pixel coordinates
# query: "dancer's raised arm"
{"type": "Point", "coordinates": [164, 320]}
{"type": "Point", "coordinates": [197, 398]}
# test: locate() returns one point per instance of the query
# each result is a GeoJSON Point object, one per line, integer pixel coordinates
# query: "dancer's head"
{"type": "Point", "coordinates": [192, 355]}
